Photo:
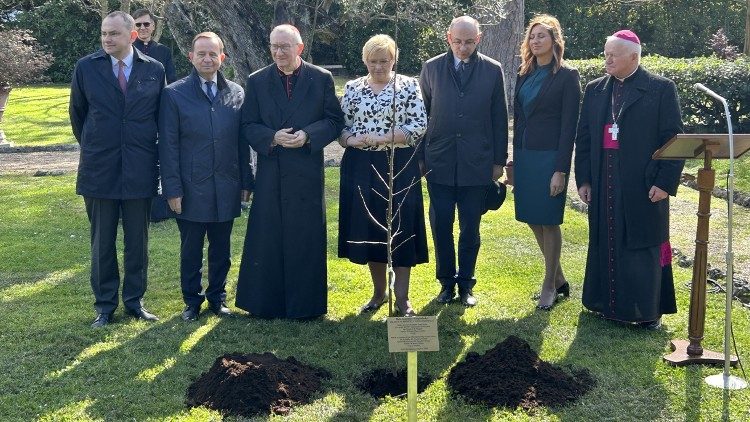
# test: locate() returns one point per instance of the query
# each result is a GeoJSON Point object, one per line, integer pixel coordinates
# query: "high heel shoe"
{"type": "Point", "coordinates": [563, 290]}
{"type": "Point", "coordinates": [548, 307]}
{"type": "Point", "coordinates": [372, 307]}
{"type": "Point", "coordinates": [408, 312]}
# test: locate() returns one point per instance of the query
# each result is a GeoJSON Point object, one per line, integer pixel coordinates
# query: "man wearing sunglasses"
{"type": "Point", "coordinates": [145, 24]}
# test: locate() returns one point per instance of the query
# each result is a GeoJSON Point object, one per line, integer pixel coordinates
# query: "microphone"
{"type": "Point", "coordinates": [701, 87]}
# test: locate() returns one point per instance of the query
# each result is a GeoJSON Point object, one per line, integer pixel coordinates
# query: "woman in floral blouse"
{"type": "Point", "coordinates": [369, 134]}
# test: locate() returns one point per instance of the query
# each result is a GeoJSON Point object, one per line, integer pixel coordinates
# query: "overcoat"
{"type": "Point", "coordinates": [116, 132]}
{"type": "Point", "coordinates": [650, 117]}
{"type": "Point", "coordinates": [162, 54]}
{"type": "Point", "coordinates": [551, 121]}
{"type": "Point", "coordinates": [202, 158]}
{"type": "Point", "coordinates": [467, 127]}
{"type": "Point", "coordinates": [283, 270]}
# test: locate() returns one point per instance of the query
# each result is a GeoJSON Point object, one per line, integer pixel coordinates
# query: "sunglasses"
{"type": "Point", "coordinates": [142, 24]}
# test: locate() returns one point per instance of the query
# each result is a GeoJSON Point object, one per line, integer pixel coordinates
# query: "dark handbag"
{"type": "Point", "coordinates": [494, 196]}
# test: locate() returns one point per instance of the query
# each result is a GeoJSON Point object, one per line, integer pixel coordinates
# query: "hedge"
{"type": "Point", "coordinates": [700, 113]}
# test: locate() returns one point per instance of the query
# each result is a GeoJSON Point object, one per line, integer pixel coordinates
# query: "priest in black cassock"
{"type": "Point", "coordinates": [290, 114]}
{"type": "Point", "coordinates": [626, 116]}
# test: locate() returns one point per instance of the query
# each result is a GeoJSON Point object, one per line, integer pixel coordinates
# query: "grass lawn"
{"type": "Point", "coordinates": [38, 115]}
{"type": "Point", "coordinates": [57, 368]}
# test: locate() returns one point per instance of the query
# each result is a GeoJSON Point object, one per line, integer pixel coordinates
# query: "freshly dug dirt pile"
{"type": "Point", "coordinates": [381, 382]}
{"type": "Point", "coordinates": [512, 375]}
{"type": "Point", "coordinates": [246, 385]}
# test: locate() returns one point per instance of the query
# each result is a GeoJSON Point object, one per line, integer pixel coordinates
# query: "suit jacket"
{"type": "Point", "coordinates": [202, 156]}
{"type": "Point", "coordinates": [117, 132]}
{"type": "Point", "coordinates": [650, 117]}
{"type": "Point", "coordinates": [467, 127]}
{"type": "Point", "coordinates": [160, 52]}
{"type": "Point", "coordinates": [552, 117]}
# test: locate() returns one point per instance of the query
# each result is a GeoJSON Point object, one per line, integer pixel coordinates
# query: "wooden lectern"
{"type": "Point", "coordinates": [708, 147]}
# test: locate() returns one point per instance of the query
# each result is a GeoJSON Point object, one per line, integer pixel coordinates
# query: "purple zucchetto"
{"type": "Point", "coordinates": [627, 35]}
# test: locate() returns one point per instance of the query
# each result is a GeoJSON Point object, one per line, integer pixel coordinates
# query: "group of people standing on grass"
{"type": "Point", "coordinates": [450, 126]}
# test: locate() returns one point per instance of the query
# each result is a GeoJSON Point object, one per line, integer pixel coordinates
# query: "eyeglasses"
{"type": "Point", "coordinates": [468, 43]}
{"type": "Point", "coordinates": [142, 24]}
{"type": "Point", "coordinates": [284, 48]}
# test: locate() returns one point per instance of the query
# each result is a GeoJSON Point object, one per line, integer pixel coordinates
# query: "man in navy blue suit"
{"type": "Point", "coordinates": [205, 170]}
{"type": "Point", "coordinates": [114, 103]}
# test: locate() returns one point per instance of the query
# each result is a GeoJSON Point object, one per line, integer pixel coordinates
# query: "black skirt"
{"type": "Point", "coordinates": [362, 194]}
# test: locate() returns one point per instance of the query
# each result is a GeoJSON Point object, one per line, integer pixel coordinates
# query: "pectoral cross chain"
{"type": "Point", "coordinates": [614, 130]}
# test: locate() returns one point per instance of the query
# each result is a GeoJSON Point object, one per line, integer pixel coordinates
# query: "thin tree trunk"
{"type": "Point", "coordinates": [502, 42]}
{"type": "Point", "coordinates": [746, 49]}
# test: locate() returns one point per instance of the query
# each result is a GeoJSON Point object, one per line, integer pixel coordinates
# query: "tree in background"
{"type": "Point", "coordinates": [22, 60]}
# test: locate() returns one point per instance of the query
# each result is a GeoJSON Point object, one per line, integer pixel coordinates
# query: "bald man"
{"type": "Point", "coordinates": [464, 150]}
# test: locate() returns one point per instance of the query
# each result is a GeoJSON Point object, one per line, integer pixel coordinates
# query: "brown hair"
{"type": "Point", "coordinates": [552, 25]}
{"type": "Point", "coordinates": [209, 35]}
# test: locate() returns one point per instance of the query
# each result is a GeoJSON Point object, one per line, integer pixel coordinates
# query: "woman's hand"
{"type": "Point", "coordinates": [557, 183]}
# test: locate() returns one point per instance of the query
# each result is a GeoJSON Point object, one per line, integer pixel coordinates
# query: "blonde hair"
{"type": "Point", "coordinates": [376, 43]}
{"type": "Point", "coordinates": [552, 25]}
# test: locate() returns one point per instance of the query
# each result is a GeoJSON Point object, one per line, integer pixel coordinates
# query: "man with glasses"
{"type": "Point", "coordinates": [145, 24]}
{"type": "Point", "coordinates": [205, 170]}
{"type": "Point", "coordinates": [290, 114]}
{"type": "Point", "coordinates": [464, 150]}
{"type": "Point", "coordinates": [114, 104]}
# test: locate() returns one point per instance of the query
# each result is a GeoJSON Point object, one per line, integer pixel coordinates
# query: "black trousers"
{"type": "Point", "coordinates": [104, 216]}
{"type": "Point", "coordinates": [192, 235]}
{"type": "Point", "coordinates": [444, 200]}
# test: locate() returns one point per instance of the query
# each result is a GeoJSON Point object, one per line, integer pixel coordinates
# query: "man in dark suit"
{"type": "Point", "coordinates": [114, 103]}
{"type": "Point", "coordinates": [626, 116]}
{"type": "Point", "coordinates": [290, 114]}
{"type": "Point", "coordinates": [204, 170]}
{"type": "Point", "coordinates": [145, 24]}
{"type": "Point", "coordinates": [464, 150]}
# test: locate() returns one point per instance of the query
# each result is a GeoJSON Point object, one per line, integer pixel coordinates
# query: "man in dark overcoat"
{"type": "Point", "coordinates": [464, 150]}
{"type": "Point", "coordinates": [145, 24]}
{"type": "Point", "coordinates": [626, 116]}
{"type": "Point", "coordinates": [290, 114]}
{"type": "Point", "coordinates": [114, 104]}
{"type": "Point", "coordinates": [205, 170]}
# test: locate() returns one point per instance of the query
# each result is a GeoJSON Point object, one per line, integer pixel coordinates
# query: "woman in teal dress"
{"type": "Point", "coordinates": [547, 100]}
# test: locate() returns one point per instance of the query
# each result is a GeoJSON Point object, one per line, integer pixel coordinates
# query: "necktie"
{"type": "Point", "coordinates": [209, 91]}
{"type": "Point", "coordinates": [121, 77]}
{"type": "Point", "coordinates": [460, 69]}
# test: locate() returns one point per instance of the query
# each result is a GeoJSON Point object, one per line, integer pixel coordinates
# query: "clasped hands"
{"type": "Point", "coordinates": [368, 140]}
{"type": "Point", "coordinates": [288, 139]}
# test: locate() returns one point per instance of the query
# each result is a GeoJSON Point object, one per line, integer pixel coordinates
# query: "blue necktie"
{"type": "Point", "coordinates": [209, 91]}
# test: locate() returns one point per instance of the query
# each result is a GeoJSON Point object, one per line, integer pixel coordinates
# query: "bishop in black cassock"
{"type": "Point", "coordinates": [626, 116]}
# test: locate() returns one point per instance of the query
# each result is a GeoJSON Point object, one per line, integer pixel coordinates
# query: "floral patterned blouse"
{"type": "Point", "coordinates": [367, 112]}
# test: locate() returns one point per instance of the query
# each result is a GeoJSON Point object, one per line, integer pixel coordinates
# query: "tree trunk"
{"type": "Point", "coordinates": [244, 34]}
{"type": "Point", "coordinates": [502, 42]}
{"type": "Point", "coordinates": [4, 95]}
{"type": "Point", "coordinates": [746, 49]}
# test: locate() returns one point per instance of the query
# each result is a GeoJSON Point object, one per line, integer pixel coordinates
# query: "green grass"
{"type": "Point", "coordinates": [38, 115]}
{"type": "Point", "coordinates": [56, 368]}
{"type": "Point", "coordinates": [741, 172]}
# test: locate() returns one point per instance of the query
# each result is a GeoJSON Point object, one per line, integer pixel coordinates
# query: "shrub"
{"type": "Point", "coordinates": [700, 113]}
{"type": "Point", "coordinates": [22, 60]}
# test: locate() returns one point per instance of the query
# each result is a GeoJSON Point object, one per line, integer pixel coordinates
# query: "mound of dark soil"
{"type": "Point", "coordinates": [381, 382]}
{"type": "Point", "coordinates": [245, 385]}
{"type": "Point", "coordinates": [512, 375]}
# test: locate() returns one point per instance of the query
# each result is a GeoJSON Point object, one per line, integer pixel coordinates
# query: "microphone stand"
{"type": "Point", "coordinates": [725, 380]}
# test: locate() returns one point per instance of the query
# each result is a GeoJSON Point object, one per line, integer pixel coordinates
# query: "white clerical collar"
{"type": "Point", "coordinates": [128, 60]}
{"type": "Point", "coordinates": [631, 74]}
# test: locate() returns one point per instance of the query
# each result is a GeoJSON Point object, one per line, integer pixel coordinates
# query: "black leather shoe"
{"type": "Point", "coordinates": [101, 320]}
{"type": "Point", "coordinates": [142, 313]}
{"type": "Point", "coordinates": [467, 299]}
{"type": "Point", "coordinates": [219, 309]}
{"type": "Point", "coordinates": [446, 294]}
{"type": "Point", "coordinates": [191, 313]}
{"type": "Point", "coordinates": [651, 325]}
